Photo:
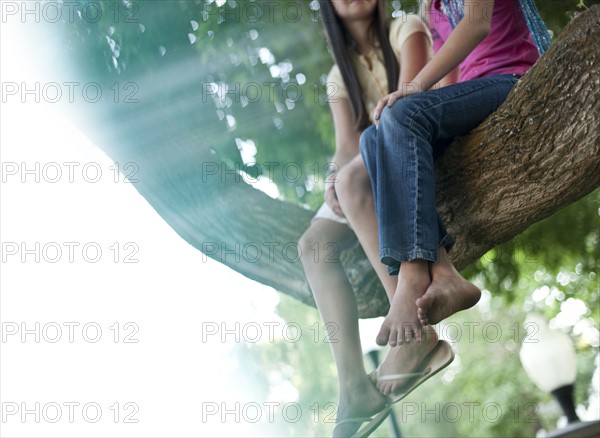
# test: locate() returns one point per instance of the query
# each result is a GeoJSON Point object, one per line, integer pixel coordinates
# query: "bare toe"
{"type": "Point", "coordinates": [384, 335]}
{"type": "Point", "coordinates": [394, 337]}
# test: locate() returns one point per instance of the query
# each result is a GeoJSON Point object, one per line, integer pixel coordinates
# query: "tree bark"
{"type": "Point", "coordinates": [535, 155]}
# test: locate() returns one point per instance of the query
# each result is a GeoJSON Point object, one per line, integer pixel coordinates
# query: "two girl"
{"type": "Point", "coordinates": [393, 205]}
{"type": "Point", "coordinates": [373, 58]}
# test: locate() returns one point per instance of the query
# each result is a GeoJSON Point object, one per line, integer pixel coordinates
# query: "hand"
{"type": "Point", "coordinates": [331, 196]}
{"type": "Point", "coordinates": [389, 100]}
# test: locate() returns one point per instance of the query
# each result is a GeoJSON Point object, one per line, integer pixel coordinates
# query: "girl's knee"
{"type": "Point", "coordinates": [308, 238]}
{"type": "Point", "coordinates": [353, 179]}
{"type": "Point", "coordinates": [319, 231]}
{"type": "Point", "coordinates": [322, 235]}
{"type": "Point", "coordinates": [368, 139]}
{"type": "Point", "coordinates": [405, 119]}
{"type": "Point", "coordinates": [368, 142]}
{"type": "Point", "coordinates": [354, 187]}
{"type": "Point", "coordinates": [403, 110]}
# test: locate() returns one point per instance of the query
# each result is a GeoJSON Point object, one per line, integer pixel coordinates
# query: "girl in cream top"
{"type": "Point", "coordinates": [370, 68]}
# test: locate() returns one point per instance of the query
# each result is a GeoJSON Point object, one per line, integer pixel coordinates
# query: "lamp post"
{"type": "Point", "coordinates": [548, 357]}
{"type": "Point", "coordinates": [368, 329]}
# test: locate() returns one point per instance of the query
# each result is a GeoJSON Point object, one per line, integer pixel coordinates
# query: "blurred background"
{"type": "Point", "coordinates": [189, 347]}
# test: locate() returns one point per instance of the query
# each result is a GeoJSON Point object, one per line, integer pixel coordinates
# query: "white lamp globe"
{"type": "Point", "coordinates": [548, 356]}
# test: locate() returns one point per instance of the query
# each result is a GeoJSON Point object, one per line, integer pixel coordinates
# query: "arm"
{"type": "Point", "coordinates": [414, 55]}
{"type": "Point", "coordinates": [346, 147]}
{"type": "Point", "coordinates": [414, 58]}
{"type": "Point", "coordinates": [469, 32]}
{"type": "Point", "coordinates": [449, 79]}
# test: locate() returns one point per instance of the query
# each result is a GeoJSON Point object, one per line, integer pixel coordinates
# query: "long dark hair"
{"type": "Point", "coordinates": [340, 43]}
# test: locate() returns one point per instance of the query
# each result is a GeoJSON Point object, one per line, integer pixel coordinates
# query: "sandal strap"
{"type": "Point", "coordinates": [403, 376]}
{"type": "Point", "coordinates": [359, 420]}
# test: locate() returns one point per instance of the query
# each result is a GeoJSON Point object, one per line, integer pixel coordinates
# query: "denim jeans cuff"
{"type": "Point", "coordinates": [394, 269]}
{"type": "Point", "coordinates": [392, 258]}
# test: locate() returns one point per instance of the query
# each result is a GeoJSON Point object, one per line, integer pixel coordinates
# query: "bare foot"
{"type": "Point", "coordinates": [357, 400]}
{"type": "Point", "coordinates": [405, 359]}
{"type": "Point", "coordinates": [402, 323]}
{"type": "Point", "coordinates": [448, 293]}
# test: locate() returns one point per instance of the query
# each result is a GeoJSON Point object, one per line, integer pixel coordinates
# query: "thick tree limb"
{"type": "Point", "coordinates": [537, 154]}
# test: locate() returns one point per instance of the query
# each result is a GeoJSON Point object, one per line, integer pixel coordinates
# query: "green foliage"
{"type": "Point", "coordinates": [230, 73]}
{"type": "Point", "coordinates": [560, 255]}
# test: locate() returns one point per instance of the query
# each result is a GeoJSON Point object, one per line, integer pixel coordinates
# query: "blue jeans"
{"type": "Point", "coordinates": [399, 156]}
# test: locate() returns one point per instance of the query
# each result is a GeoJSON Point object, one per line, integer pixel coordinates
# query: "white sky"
{"type": "Point", "coordinates": [170, 375]}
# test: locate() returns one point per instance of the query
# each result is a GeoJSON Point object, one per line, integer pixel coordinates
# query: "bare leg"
{"type": "Point", "coordinates": [447, 294]}
{"type": "Point", "coordinates": [337, 305]}
{"type": "Point", "coordinates": [356, 199]}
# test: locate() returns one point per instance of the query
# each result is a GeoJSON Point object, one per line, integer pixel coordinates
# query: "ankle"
{"type": "Point", "coordinates": [350, 385]}
{"type": "Point", "coordinates": [415, 269]}
{"type": "Point", "coordinates": [443, 268]}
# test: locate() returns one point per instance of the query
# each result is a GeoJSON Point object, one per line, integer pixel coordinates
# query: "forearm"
{"type": "Point", "coordinates": [469, 32]}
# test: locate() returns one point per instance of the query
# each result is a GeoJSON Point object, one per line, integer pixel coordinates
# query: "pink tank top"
{"type": "Point", "coordinates": [508, 48]}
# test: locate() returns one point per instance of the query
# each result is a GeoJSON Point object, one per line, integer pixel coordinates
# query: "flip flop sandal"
{"type": "Point", "coordinates": [372, 422]}
{"type": "Point", "coordinates": [439, 358]}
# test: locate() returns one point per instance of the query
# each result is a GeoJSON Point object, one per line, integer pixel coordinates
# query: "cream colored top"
{"type": "Point", "coordinates": [373, 81]}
